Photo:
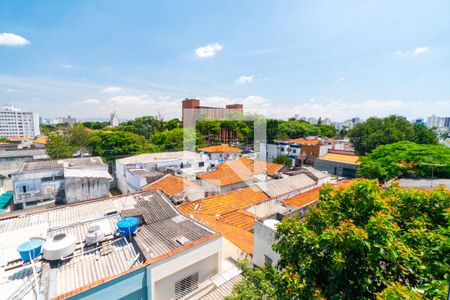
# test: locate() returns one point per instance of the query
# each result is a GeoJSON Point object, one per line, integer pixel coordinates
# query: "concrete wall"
{"type": "Point", "coordinates": [79, 189]}
{"type": "Point", "coordinates": [266, 208]}
{"type": "Point", "coordinates": [204, 258]}
{"type": "Point", "coordinates": [230, 250]}
{"type": "Point", "coordinates": [263, 238]}
{"type": "Point", "coordinates": [209, 187]}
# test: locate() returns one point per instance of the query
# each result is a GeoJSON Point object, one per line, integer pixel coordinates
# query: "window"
{"type": "Point", "coordinates": [267, 260]}
{"type": "Point", "coordinates": [24, 189]}
{"type": "Point", "coordinates": [201, 164]}
{"type": "Point", "coordinates": [186, 286]}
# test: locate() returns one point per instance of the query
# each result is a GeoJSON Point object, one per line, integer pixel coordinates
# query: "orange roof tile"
{"type": "Point", "coordinates": [313, 195]}
{"type": "Point", "coordinates": [41, 140]}
{"type": "Point", "coordinates": [20, 138]}
{"type": "Point", "coordinates": [170, 185]}
{"type": "Point", "coordinates": [225, 203]}
{"type": "Point", "coordinates": [341, 158]}
{"type": "Point", "coordinates": [223, 177]}
{"type": "Point", "coordinates": [226, 214]}
{"type": "Point", "coordinates": [303, 141]}
{"type": "Point", "coordinates": [220, 149]}
{"type": "Point", "coordinates": [255, 166]}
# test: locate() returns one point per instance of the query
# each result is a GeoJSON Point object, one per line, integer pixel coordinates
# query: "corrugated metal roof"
{"type": "Point", "coordinates": [165, 230]}
{"type": "Point", "coordinates": [224, 283]}
{"type": "Point", "coordinates": [286, 185]}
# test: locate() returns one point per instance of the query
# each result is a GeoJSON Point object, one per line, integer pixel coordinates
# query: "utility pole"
{"type": "Point", "coordinates": [432, 168]}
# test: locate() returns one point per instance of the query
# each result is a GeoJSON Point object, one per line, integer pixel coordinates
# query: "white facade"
{"type": "Point", "coordinates": [14, 122]}
{"type": "Point", "coordinates": [113, 119]}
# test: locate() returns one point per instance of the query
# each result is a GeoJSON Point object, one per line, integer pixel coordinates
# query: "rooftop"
{"type": "Point", "coordinates": [303, 141]}
{"type": "Point", "coordinates": [171, 185]}
{"type": "Point", "coordinates": [89, 266]}
{"type": "Point", "coordinates": [311, 196]}
{"type": "Point", "coordinates": [286, 185]}
{"type": "Point", "coordinates": [61, 164]}
{"type": "Point", "coordinates": [41, 140]}
{"type": "Point", "coordinates": [151, 157]}
{"type": "Point", "coordinates": [220, 149]}
{"type": "Point", "coordinates": [341, 158]}
{"type": "Point", "coordinates": [424, 183]}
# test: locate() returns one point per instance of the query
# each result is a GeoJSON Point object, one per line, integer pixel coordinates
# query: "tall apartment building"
{"type": "Point", "coordinates": [192, 107]}
{"type": "Point", "coordinates": [114, 119]}
{"type": "Point", "coordinates": [15, 122]}
{"type": "Point", "coordinates": [65, 120]}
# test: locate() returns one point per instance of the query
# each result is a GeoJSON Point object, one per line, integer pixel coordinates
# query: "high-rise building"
{"type": "Point", "coordinates": [66, 120]}
{"type": "Point", "coordinates": [192, 108]}
{"type": "Point", "coordinates": [432, 121]}
{"type": "Point", "coordinates": [15, 122]}
{"type": "Point", "coordinates": [113, 119]}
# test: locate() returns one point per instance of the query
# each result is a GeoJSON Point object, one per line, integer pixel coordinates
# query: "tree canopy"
{"type": "Point", "coordinates": [362, 242]}
{"type": "Point", "coordinates": [405, 159]}
{"type": "Point", "coordinates": [374, 132]}
{"type": "Point", "coordinates": [284, 160]}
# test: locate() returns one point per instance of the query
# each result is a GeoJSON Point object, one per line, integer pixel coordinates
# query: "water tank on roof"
{"type": "Point", "coordinates": [61, 245]}
{"type": "Point", "coordinates": [127, 226]}
{"type": "Point", "coordinates": [30, 250]}
{"type": "Point", "coordinates": [94, 235]}
{"type": "Point", "coordinates": [271, 223]}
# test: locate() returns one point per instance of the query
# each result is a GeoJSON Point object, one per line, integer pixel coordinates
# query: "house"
{"type": "Point", "coordinates": [264, 229]}
{"type": "Point", "coordinates": [40, 142]}
{"type": "Point", "coordinates": [319, 176]}
{"type": "Point", "coordinates": [237, 174]}
{"type": "Point", "coordinates": [221, 153]}
{"type": "Point", "coordinates": [134, 172]}
{"type": "Point", "coordinates": [59, 181]}
{"type": "Point", "coordinates": [168, 257]}
{"type": "Point", "coordinates": [340, 164]}
{"type": "Point", "coordinates": [12, 158]}
{"type": "Point", "coordinates": [177, 188]}
{"type": "Point", "coordinates": [227, 213]}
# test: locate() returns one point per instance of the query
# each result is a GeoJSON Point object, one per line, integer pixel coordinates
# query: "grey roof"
{"type": "Point", "coordinates": [23, 153]}
{"type": "Point", "coordinates": [164, 230]}
{"type": "Point", "coordinates": [286, 185]}
{"type": "Point", "coordinates": [153, 157]}
{"type": "Point", "coordinates": [424, 183]}
{"type": "Point", "coordinates": [223, 284]}
{"type": "Point", "coordinates": [60, 164]}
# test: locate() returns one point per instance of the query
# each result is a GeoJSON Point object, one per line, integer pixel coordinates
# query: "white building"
{"type": "Point", "coordinates": [14, 122]}
{"type": "Point", "coordinates": [137, 171]}
{"type": "Point", "coordinates": [113, 119]}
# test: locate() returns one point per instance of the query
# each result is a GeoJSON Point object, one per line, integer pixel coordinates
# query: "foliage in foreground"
{"type": "Point", "coordinates": [360, 243]}
{"type": "Point", "coordinates": [405, 159]}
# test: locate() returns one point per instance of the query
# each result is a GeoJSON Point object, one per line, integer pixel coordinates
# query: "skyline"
{"type": "Point", "coordinates": [331, 60]}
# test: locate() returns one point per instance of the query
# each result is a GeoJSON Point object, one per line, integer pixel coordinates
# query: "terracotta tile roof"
{"type": "Point", "coordinates": [255, 166]}
{"type": "Point", "coordinates": [239, 218]}
{"type": "Point", "coordinates": [220, 149]}
{"type": "Point", "coordinates": [223, 177]}
{"type": "Point", "coordinates": [20, 138]}
{"type": "Point", "coordinates": [341, 158]}
{"type": "Point", "coordinates": [226, 214]}
{"type": "Point", "coordinates": [225, 203]}
{"type": "Point", "coordinates": [240, 170]}
{"type": "Point", "coordinates": [41, 140]}
{"type": "Point", "coordinates": [313, 195]}
{"type": "Point", "coordinates": [303, 141]}
{"type": "Point", "coordinates": [170, 185]}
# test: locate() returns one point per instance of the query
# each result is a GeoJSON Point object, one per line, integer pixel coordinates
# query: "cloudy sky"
{"type": "Point", "coordinates": [334, 59]}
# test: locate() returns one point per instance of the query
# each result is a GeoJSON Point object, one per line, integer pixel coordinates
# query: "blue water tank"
{"type": "Point", "coordinates": [30, 250]}
{"type": "Point", "coordinates": [127, 226]}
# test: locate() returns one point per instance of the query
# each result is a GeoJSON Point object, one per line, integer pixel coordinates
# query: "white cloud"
{"type": "Point", "coordinates": [208, 50]}
{"type": "Point", "coordinates": [112, 90]}
{"type": "Point", "coordinates": [130, 100]}
{"type": "Point", "coordinates": [420, 50]}
{"type": "Point", "coordinates": [244, 79]}
{"type": "Point", "coordinates": [398, 52]}
{"type": "Point", "coordinates": [11, 39]}
{"type": "Point", "coordinates": [66, 66]}
{"type": "Point", "coordinates": [90, 101]}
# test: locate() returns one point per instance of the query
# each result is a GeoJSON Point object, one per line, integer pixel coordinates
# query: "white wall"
{"type": "Point", "coordinates": [263, 238]}
{"type": "Point", "coordinates": [204, 258]}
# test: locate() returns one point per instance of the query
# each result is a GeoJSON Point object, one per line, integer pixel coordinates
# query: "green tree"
{"type": "Point", "coordinates": [284, 160]}
{"type": "Point", "coordinates": [405, 159]}
{"type": "Point", "coordinates": [326, 130]}
{"type": "Point", "coordinates": [362, 242]}
{"type": "Point", "coordinates": [295, 129]}
{"type": "Point", "coordinates": [77, 137]}
{"type": "Point", "coordinates": [272, 129]}
{"type": "Point", "coordinates": [174, 139]}
{"type": "Point", "coordinates": [115, 144]}
{"type": "Point", "coordinates": [57, 147]}
{"type": "Point", "coordinates": [374, 132]}
{"type": "Point", "coordinates": [145, 126]}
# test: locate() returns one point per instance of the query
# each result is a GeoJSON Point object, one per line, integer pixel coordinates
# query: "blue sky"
{"type": "Point", "coordinates": [333, 59]}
